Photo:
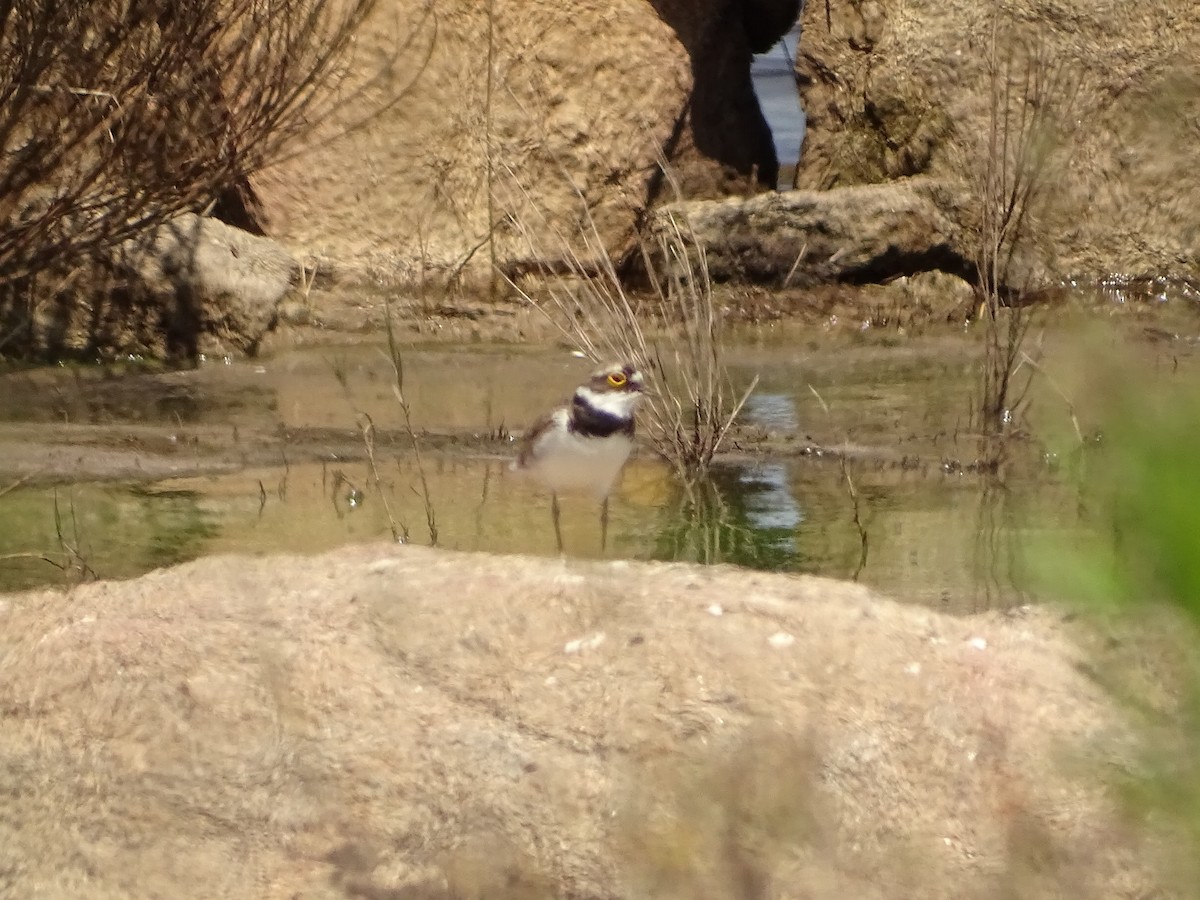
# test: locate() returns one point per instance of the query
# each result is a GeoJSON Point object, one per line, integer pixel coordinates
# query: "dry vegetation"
{"type": "Point", "coordinates": [117, 115]}
{"type": "Point", "coordinates": [1031, 97]}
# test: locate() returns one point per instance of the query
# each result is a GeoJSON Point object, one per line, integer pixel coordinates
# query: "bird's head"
{"type": "Point", "coordinates": [616, 388]}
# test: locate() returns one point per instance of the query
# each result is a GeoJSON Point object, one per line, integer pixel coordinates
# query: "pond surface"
{"type": "Point", "coordinates": [854, 458]}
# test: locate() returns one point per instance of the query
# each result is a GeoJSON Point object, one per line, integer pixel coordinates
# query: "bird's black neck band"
{"type": "Point", "coordinates": [589, 421]}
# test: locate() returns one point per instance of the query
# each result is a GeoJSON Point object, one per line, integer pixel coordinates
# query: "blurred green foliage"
{"type": "Point", "coordinates": [1136, 576]}
{"type": "Point", "coordinates": [1145, 483]}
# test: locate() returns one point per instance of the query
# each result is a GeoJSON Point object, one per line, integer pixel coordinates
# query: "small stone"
{"type": "Point", "coordinates": [978, 643]}
{"type": "Point", "coordinates": [781, 639]}
{"type": "Point", "coordinates": [716, 610]}
{"type": "Point", "coordinates": [580, 644]}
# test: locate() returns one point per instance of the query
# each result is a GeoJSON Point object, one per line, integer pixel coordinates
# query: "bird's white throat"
{"type": "Point", "coordinates": [615, 403]}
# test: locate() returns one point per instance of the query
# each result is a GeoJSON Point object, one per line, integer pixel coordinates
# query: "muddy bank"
{"type": "Point", "coordinates": [303, 398]}
{"type": "Point", "coordinates": [311, 397]}
{"type": "Point", "coordinates": [410, 722]}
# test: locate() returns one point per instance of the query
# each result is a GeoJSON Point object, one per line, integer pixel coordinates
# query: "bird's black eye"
{"type": "Point", "coordinates": [617, 379]}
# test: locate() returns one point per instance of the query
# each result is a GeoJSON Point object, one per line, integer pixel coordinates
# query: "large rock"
{"type": "Point", "coordinates": [403, 722]}
{"type": "Point", "coordinates": [190, 285]}
{"type": "Point", "coordinates": [800, 238]}
{"type": "Point", "coordinates": [894, 89]}
{"type": "Point", "coordinates": [584, 102]}
{"type": "Point", "coordinates": [223, 286]}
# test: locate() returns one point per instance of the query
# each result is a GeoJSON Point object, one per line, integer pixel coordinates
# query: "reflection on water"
{"type": "Point", "coordinates": [770, 410]}
{"type": "Point", "coordinates": [793, 515]}
{"type": "Point", "coordinates": [109, 531]}
{"type": "Point", "coordinates": [770, 507]}
{"type": "Point", "coordinates": [741, 515]}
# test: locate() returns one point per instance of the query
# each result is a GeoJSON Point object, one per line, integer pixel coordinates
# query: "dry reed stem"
{"type": "Point", "coordinates": [398, 528]}
{"type": "Point", "coordinates": [397, 362]}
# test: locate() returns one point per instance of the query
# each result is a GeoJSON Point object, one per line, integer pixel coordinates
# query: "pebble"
{"type": "Point", "coordinates": [580, 644]}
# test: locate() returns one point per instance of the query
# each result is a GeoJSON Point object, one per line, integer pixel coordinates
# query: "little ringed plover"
{"type": "Point", "coordinates": [583, 445]}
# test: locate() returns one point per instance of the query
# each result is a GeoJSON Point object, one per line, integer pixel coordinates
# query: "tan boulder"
{"type": "Point", "coordinates": [895, 89]}
{"type": "Point", "coordinates": [583, 102]}
{"type": "Point", "coordinates": [189, 285]}
{"type": "Point", "coordinates": [406, 722]}
{"type": "Point", "coordinates": [858, 234]}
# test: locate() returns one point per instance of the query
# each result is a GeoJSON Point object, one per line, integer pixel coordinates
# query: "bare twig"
{"type": "Point", "coordinates": [116, 117]}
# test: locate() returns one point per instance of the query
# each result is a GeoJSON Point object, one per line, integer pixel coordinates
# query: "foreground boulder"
{"type": "Point", "coordinates": [499, 131]}
{"type": "Point", "coordinates": [895, 89]}
{"type": "Point", "coordinates": [403, 722]}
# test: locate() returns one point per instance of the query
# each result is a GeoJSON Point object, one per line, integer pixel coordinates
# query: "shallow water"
{"type": "Point", "coordinates": [905, 513]}
{"type": "Point", "coordinates": [793, 515]}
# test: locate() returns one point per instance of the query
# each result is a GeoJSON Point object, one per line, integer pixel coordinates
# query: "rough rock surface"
{"type": "Point", "coordinates": [404, 722]}
{"type": "Point", "coordinates": [583, 102]}
{"type": "Point", "coordinates": [191, 285]}
{"type": "Point", "coordinates": [800, 238]}
{"type": "Point", "coordinates": [894, 89]}
{"type": "Point", "coordinates": [234, 280]}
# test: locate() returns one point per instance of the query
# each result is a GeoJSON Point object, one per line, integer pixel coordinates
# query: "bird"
{"type": "Point", "coordinates": [582, 445]}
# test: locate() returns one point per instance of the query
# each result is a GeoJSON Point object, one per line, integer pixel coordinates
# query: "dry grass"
{"type": "Point", "coordinates": [366, 425]}
{"type": "Point", "coordinates": [70, 556]}
{"type": "Point", "coordinates": [396, 359]}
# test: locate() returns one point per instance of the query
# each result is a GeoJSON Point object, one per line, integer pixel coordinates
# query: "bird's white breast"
{"type": "Point", "coordinates": [566, 461]}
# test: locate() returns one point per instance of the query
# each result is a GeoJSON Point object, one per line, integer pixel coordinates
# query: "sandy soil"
{"type": "Point", "coordinates": [396, 722]}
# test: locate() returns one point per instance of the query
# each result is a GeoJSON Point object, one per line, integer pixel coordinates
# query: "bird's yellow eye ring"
{"type": "Point", "coordinates": [617, 379]}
